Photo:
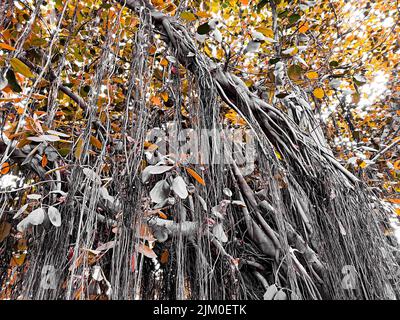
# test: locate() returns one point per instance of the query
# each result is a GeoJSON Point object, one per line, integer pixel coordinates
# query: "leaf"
{"type": "Point", "coordinates": [319, 93]}
{"type": "Point", "coordinates": [227, 192]}
{"type": "Point", "coordinates": [145, 233]}
{"type": "Point", "coordinates": [280, 295]}
{"type": "Point", "coordinates": [270, 293]}
{"type": "Point", "coordinates": [188, 16]}
{"type": "Point", "coordinates": [179, 187]}
{"type": "Point", "coordinates": [156, 101]}
{"type": "Point", "coordinates": [5, 46]}
{"type": "Point", "coordinates": [20, 67]}
{"type": "Point", "coordinates": [293, 18]}
{"type": "Point", "coordinates": [164, 256]}
{"type": "Point", "coordinates": [397, 211]}
{"type": "Point", "coordinates": [145, 250]}
{"type": "Point", "coordinates": [44, 161]}
{"type": "Point", "coordinates": [204, 29]}
{"type": "Point", "coordinates": [78, 148]}
{"type": "Point", "coordinates": [5, 228]}
{"type": "Point", "coordinates": [12, 81]}
{"type": "Point", "coordinates": [21, 210]}
{"type": "Point", "coordinates": [45, 137]}
{"type": "Point", "coordinates": [56, 133]}
{"type": "Point", "coordinates": [312, 75]}
{"type": "Point", "coordinates": [92, 175]}
{"type": "Point", "coordinates": [150, 170]}
{"type": "Point", "coordinates": [54, 216]}
{"type": "Point", "coordinates": [196, 176]}
{"type": "Point", "coordinates": [34, 196]}
{"type": "Point", "coordinates": [35, 218]}
{"type": "Point", "coordinates": [96, 142]}
{"type": "Point", "coordinates": [164, 96]}
{"type": "Point", "coordinates": [294, 72]}
{"type": "Point", "coordinates": [160, 191]}
{"type": "Point", "coordinates": [393, 200]}
{"type": "Point", "coordinates": [396, 165]}
{"type": "Point", "coordinates": [304, 28]}
{"type": "Point", "coordinates": [219, 233]}
{"type": "Point", "coordinates": [5, 168]}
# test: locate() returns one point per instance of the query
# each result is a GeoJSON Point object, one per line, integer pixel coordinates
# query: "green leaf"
{"type": "Point", "coordinates": [274, 60]}
{"type": "Point", "coordinates": [261, 4]}
{"type": "Point", "coordinates": [293, 18]}
{"type": "Point", "coordinates": [22, 68]}
{"type": "Point", "coordinates": [204, 28]}
{"type": "Point", "coordinates": [334, 64]}
{"type": "Point", "coordinates": [12, 81]}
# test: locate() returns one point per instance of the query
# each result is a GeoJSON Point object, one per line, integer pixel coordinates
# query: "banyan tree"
{"type": "Point", "coordinates": [144, 162]}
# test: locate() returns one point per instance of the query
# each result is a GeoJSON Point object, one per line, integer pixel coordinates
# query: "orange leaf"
{"type": "Point", "coordinates": [304, 28]}
{"type": "Point", "coordinates": [143, 249]}
{"type": "Point", "coordinates": [396, 165]}
{"type": "Point", "coordinates": [164, 257]}
{"type": "Point", "coordinates": [44, 161]}
{"type": "Point", "coordinates": [164, 95]}
{"type": "Point", "coordinates": [5, 168]}
{"type": "Point", "coordinates": [162, 215]}
{"type": "Point", "coordinates": [95, 142]}
{"type": "Point", "coordinates": [156, 100]}
{"type": "Point", "coordinates": [6, 47]}
{"type": "Point", "coordinates": [195, 175]}
{"type": "Point", "coordinates": [244, 2]}
{"type": "Point", "coordinates": [393, 200]}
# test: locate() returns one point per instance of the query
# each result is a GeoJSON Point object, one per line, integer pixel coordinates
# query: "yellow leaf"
{"type": "Point", "coordinates": [278, 155]}
{"type": "Point", "coordinates": [203, 14]}
{"type": "Point", "coordinates": [164, 95]}
{"type": "Point", "coordinates": [5, 46]}
{"type": "Point", "coordinates": [397, 211]}
{"type": "Point", "coordinates": [95, 142]}
{"type": "Point", "coordinates": [188, 16]}
{"type": "Point", "coordinates": [20, 67]}
{"type": "Point", "coordinates": [319, 93]}
{"type": "Point", "coordinates": [312, 75]}
{"type": "Point", "coordinates": [363, 165]}
{"type": "Point", "coordinates": [78, 148]}
{"type": "Point", "coordinates": [268, 32]}
{"type": "Point", "coordinates": [195, 175]}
